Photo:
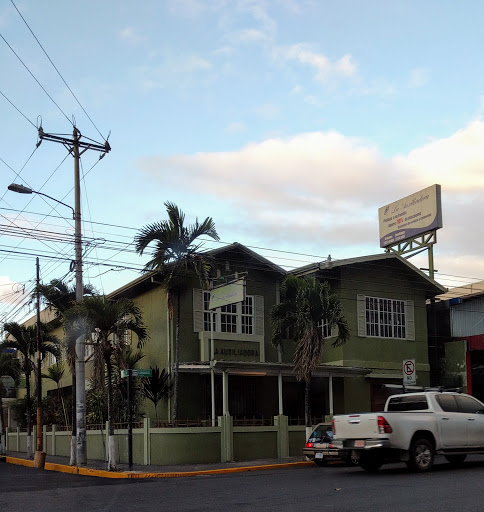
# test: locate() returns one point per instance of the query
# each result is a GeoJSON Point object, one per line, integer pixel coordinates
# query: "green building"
{"type": "Point", "coordinates": [228, 366]}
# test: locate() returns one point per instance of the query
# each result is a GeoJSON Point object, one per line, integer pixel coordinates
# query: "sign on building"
{"type": "Point", "coordinates": [227, 294]}
{"type": "Point", "coordinates": [409, 373]}
{"type": "Point", "coordinates": [411, 216]}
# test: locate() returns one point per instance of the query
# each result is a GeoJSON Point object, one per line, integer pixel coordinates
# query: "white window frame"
{"type": "Point", "coordinates": [385, 318]}
{"type": "Point", "coordinates": [236, 318]}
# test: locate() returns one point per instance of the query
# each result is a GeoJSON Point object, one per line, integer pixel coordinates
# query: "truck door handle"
{"type": "Point", "coordinates": [471, 419]}
{"type": "Point", "coordinates": [445, 418]}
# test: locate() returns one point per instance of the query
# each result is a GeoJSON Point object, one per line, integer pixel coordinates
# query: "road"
{"type": "Point", "coordinates": [332, 488]}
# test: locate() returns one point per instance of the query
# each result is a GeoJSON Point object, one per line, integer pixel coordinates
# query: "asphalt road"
{"type": "Point", "coordinates": [332, 488]}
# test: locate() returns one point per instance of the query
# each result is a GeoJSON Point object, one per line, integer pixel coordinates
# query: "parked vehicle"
{"type": "Point", "coordinates": [413, 428]}
{"type": "Point", "coordinates": [321, 449]}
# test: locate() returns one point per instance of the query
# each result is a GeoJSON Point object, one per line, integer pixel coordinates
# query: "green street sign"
{"type": "Point", "coordinates": [146, 372]}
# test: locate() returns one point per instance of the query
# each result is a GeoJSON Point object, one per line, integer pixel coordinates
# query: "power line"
{"type": "Point", "coordinates": [33, 76]}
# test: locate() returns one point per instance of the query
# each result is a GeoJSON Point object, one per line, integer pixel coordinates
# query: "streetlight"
{"type": "Point", "coordinates": [20, 189]}
{"type": "Point", "coordinates": [80, 420]}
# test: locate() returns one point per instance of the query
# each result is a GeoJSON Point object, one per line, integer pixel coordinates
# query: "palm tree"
{"type": "Point", "coordinates": [9, 367]}
{"type": "Point", "coordinates": [307, 314]}
{"type": "Point", "coordinates": [110, 321]}
{"type": "Point", "coordinates": [156, 387]}
{"type": "Point", "coordinates": [176, 257]}
{"type": "Point", "coordinates": [24, 340]}
{"type": "Point", "coordinates": [60, 297]}
{"type": "Point", "coordinates": [55, 373]}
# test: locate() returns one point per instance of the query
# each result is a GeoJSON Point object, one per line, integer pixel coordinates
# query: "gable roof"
{"type": "Point", "coordinates": [433, 287]}
{"type": "Point", "coordinates": [148, 280]}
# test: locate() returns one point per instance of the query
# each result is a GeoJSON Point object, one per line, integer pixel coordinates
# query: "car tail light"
{"type": "Point", "coordinates": [309, 445]}
{"type": "Point", "coordinates": [333, 426]}
{"type": "Point", "coordinates": [383, 426]}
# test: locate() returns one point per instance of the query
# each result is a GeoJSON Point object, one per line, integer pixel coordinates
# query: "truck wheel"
{"type": "Point", "coordinates": [320, 462]}
{"type": "Point", "coordinates": [456, 459]}
{"type": "Point", "coordinates": [370, 463]}
{"type": "Point", "coordinates": [422, 455]}
{"type": "Point", "coordinates": [352, 461]}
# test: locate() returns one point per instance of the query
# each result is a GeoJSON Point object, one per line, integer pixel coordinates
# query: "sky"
{"type": "Point", "coordinates": [289, 122]}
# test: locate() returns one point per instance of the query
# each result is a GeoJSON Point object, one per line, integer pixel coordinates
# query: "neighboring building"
{"type": "Point", "coordinates": [384, 299]}
{"type": "Point", "coordinates": [456, 331]}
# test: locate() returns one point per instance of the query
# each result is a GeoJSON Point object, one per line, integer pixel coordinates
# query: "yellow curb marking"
{"type": "Point", "coordinates": [111, 474]}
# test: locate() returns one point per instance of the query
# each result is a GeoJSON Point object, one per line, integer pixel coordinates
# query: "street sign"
{"type": "Point", "coordinates": [146, 372]}
{"type": "Point", "coordinates": [409, 373]}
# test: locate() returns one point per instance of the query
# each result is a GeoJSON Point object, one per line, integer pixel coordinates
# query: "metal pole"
{"type": "Point", "coordinates": [130, 423]}
{"type": "Point", "coordinates": [212, 373]}
{"type": "Point", "coordinates": [39, 459]}
{"type": "Point", "coordinates": [81, 450]}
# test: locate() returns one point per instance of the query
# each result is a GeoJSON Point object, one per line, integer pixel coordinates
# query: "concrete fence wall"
{"type": "Point", "coordinates": [184, 445]}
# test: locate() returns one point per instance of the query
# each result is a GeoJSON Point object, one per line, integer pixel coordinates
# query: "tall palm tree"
{"type": "Point", "coordinates": [60, 297]}
{"type": "Point", "coordinates": [307, 314]}
{"type": "Point", "coordinates": [9, 367]}
{"type": "Point", "coordinates": [110, 320]}
{"type": "Point", "coordinates": [24, 340]}
{"type": "Point", "coordinates": [177, 257]}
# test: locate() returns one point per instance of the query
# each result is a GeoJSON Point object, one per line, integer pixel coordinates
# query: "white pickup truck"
{"type": "Point", "coordinates": [413, 428]}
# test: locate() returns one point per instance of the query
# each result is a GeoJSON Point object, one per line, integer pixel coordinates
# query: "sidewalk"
{"type": "Point", "coordinates": [98, 467]}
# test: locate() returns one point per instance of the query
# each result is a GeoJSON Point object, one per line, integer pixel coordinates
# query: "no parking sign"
{"type": "Point", "coordinates": [409, 373]}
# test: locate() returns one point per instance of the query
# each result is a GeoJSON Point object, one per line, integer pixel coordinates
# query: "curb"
{"type": "Point", "coordinates": [76, 470]}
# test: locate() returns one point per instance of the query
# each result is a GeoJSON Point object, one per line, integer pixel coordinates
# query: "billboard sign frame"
{"type": "Point", "coordinates": [411, 216]}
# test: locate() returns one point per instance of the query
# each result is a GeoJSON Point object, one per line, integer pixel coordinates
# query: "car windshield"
{"type": "Point", "coordinates": [322, 434]}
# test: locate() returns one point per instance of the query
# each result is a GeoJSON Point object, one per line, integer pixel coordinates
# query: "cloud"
{"type": "Point", "coordinates": [419, 77]}
{"type": "Point", "coordinates": [236, 128]}
{"type": "Point", "coordinates": [11, 292]}
{"type": "Point", "coordinates": [325, 69]}
{"type": "Point", "coordinates": [324, 189]}
{"type": "Point", "coordinates": [130, 35]}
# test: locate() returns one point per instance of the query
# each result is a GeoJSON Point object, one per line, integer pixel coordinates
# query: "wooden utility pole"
{"type": "Point", "coordinates": [74, 146]}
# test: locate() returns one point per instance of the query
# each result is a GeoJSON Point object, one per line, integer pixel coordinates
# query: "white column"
{"type": "Point", "coordinates": [225, 393]}
{"type": "Point", "coordinates": [330, 391]}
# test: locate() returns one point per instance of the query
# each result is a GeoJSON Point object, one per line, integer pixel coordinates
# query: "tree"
{"type": "Point", "coordinates": [24, 340]}
{"type": "Point", "coordinates": [9, 367]}
{"type": "Point", "coordinates": [308, 313]}
{"type": "Point", "coordinates": [60, 297]}
{"type": "Point", "coordinates": [110, 321]}
{"type": "Point", "coordinates": [176, 257]}
{"type": "Point", "coordinates": [156, 387]}
{"type": "Point", "coordinates": [55, 373]}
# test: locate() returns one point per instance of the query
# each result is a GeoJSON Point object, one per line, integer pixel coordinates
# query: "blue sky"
{"type": "Point", "coordinates": [289, 122]}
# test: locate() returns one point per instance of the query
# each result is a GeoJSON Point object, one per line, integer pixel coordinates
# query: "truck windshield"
{"type": "Point", "coordinates": [408, 403]}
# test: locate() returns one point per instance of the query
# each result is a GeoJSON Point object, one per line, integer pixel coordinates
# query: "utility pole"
{"type": "Point", "coordinates": [39, 459]}
{"type": "Point", "coordinates": [74, 146]}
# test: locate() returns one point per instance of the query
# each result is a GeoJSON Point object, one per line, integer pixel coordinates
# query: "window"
{"type": "Point", "coordinates": [324, 326]}
{"type": "Point", "coordinates": [408, 403]}
{"type": "Point", "coordinates": [447, 403]}
{"type": "Point", "coordinates": [469, 405]}
{"type": "Point", "coordinates": [234, 318]}
{"type": "Point", "coordinates": [385, 318]}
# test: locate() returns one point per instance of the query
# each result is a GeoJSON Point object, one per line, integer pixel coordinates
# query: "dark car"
{"type": "Point", "coordinates": [321, 449]}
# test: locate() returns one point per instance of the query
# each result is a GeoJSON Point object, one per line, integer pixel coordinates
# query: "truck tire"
{"type": "Point", "coordinates": [370, 462]}
{"type": "Point", "coordinates": [352, 461]}
{"type": "Point", "coordinates": [456, 459]}
{"type": "Point", "coordinates": [422, 456]}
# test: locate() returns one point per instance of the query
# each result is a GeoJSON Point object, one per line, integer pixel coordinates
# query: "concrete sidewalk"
{"type": "Point", "coordinates": [98, 467]}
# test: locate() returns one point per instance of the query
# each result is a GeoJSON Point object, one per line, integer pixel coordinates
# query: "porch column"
{"type": "Point", "coordinates": [279, 391]}
{"type": "Point", "coordinates": [330, 391]}
{"type": "Point", "coordinates": [225, 393]}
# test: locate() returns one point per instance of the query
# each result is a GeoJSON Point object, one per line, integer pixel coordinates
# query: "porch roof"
{"type": "Point", "coordinates": [261, 369]}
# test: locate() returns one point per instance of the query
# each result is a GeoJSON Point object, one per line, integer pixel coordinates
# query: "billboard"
{"type": "Point", "coordinates": [410, 216]}
{"type": "Point", "coordinates": [227, 294]}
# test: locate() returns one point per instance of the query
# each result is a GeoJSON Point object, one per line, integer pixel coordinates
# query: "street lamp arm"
{"type": "Point", "coordinates": [20, 189]}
